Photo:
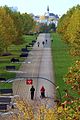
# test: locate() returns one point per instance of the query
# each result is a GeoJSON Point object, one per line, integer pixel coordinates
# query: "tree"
{"type": "Point", "coordinates": [28, 23]}
{"type": "Point", "coordinates": [69, 28]}
{"type": "Point", "coordinates": [17, 21]}
{"type": "Point", "coordinates": [8, 31]}
{"type": "Point", "coordinates": [44, 27]}
{"type": "Point", "coordinates": [52, 27]}
{"type": "Point", "coordinates": [73, 31]}
{"type": "Point", "coordinates": [24, 23]}
{"type": "Point", "coordinates": [64, 22]}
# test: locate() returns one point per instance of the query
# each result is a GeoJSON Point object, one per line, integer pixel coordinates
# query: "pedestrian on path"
{"type": "Point", "coordinates": [43, 43]}
{"type": "Point", "coordinates": [42, 90]}
{"type": "Point", "coordinates": [32, 92]}
{"type": "Point", "coordinates": [46, 41]}
{"type": "Point", "coordinates": [38, 43]}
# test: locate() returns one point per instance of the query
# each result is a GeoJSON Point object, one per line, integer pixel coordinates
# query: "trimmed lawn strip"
{"type": "Point", "coordinates": [15, 50]}
{"type": "Point", "coordinates": [61, 61]}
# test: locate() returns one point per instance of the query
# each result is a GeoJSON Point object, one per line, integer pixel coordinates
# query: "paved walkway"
{"type": "Point", "coordinates": [38, 64]}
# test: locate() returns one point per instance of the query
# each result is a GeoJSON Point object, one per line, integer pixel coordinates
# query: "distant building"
{"type": "Point", "coordinates": [37, 18]}
{"type": "Point", "coordinates": [47, 18]}
{"type": "Point", "coordinates": [51, 17]}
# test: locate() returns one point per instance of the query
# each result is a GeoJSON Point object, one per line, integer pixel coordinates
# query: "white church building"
{"type": "Point", "coordinates": [47, 18]}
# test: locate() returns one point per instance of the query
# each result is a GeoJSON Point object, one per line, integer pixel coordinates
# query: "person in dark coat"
{"type": "Point", "coordinates": [32, 92]}
{"type": "Point", "coordinates": [43, 43]}
{"type": "Point", "coordinates": [46, 41]}
{"type": "Point", "coordinates": [42, 90]}
{"type": "Point", "coordinates": [38, 43]}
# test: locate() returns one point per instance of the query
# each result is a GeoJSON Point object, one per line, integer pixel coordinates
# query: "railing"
{"type": "Point", "coordinates": [21, 78]}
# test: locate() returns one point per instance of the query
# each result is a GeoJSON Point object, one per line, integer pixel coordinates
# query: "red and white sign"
{"type": "Point", "coordinates": [29, 82]}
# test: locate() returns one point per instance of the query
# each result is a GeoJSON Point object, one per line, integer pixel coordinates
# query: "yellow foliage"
{"type": "Point", "coordinates": [27, 112]}
{"type": "Point", "coordinates": [69, 28]}
{"type": "Point", "coordinates": [8, 31]}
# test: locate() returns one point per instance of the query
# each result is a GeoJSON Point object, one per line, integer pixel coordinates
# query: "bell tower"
{"type": "Point", "coordinates": [48, 8]}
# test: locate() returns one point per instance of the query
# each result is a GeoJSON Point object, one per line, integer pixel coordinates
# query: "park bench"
{"type": "Point", "coordinates": [51, 40]}
{"type": "Point", "coordinates": [6, 107]}
{"type": "Point", "coordinates": [24, 50]}
{"type": "Point", "coordinates": [6, 54]}
{"type": "Point", "coordinates": [6, 91]}
{"type": "Point", "coordinates": [10, 67]}
{"type": "Point", "coordinates": [3, 106]}
{"type": "Point", "coordinates": [5, 99]}
{"type": "Point", "coordinates": [31, 44]}
{"type": "Point", "coordinates": [28, 46]}
{"type": "Point", "coordinates": [7, 102]}
{"type": "Point", "coordinates": [2, 79]}
{"type": "Point", "coordinates": [24, 55]}
{"type": "Point", "coordinates": [33, 41]}
{"type": "Point", "coordinates": [14, 60]}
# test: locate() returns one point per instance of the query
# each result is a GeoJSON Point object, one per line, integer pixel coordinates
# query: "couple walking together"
{"type": "Point", "coordinates": [42, 91]}
{"type": "Point", "coordinates": [43, 43]}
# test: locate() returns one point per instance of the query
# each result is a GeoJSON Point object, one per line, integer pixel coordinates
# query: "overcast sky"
{"type": "Point", "coordinates": [38, 7]}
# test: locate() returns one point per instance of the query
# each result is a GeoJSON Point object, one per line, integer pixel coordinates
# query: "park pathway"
{"type": "Point", "coordinates": [37, 64]}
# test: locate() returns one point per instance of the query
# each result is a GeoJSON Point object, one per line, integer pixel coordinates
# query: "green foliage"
{"type": "Point", "coordinates": [15, 50]}
{"type": "Point", "coordinates": [70, 86]}
{"type": "Point", "coordinates": [52, 27]}
{"type": "Point", "coordinates": [72, 78]}
{"type": "Point", "coordinates": [8, 31]}
{"type": "Point", "coordinates": [28, 23]}
{"type": "Point", "coordinates": [12, 26]}
{"type": "Point", "coordinates": [69, 28]}
{"type": "Point", "coordinates": [44, 28]}
{"type": "Point", "coordinates": [72, 101]}
{"type": "Point", "coordinates": [73, 31]}
{"type": "Point", "coordinates": [37, 111]}
{"type": "Point", "coordinates": [64, 22]}
{"type": "Point", "coordinates": [62, 60]}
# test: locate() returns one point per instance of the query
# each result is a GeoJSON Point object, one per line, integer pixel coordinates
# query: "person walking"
{"type": "Point", "coordinates": [43, 43]}
{"type": "Point", "coordinates": [32, 92]}
{"type": "Point", "coordinates": [38, 43]}
{"type": "Point", "coordinates": [42, 90]}
{"type": "Point", "coordinates": [46, 41]}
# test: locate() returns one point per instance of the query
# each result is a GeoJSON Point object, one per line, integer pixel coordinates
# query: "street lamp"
{"type": "Point", "coordinates": [29, 81]}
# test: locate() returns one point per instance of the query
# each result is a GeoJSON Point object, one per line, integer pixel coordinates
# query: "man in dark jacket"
{"type": "Point", "coordinates": [38, 43]}
{"type": "Point", "coordinates": [32, 92]}
{"type": "Point", "coordinates": [43, 43]}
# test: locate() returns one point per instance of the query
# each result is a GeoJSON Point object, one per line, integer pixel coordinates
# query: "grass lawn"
{"type": "Point", "coordinates": [15, 50]}
{"type": "Point", "coordinates": [61, 61]}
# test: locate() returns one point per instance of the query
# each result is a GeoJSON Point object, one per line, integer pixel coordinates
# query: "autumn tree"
{"type": "Point", "coordinates": [24, 23]}
{"type": "Point", "coordinates": [63, 23]}
{"type": "Point", "coordinates": [73, 32]}
{"type": "Point", "coordinates": [18, 23]}
{"type": "Point", "coordinates": [68, 27]}
{"type": "Point", "coordinates": [8, 31]}
{"type": "Point", "coordinates": [28, 23]}
{"type": "Point", "coordinates": [70, 32]}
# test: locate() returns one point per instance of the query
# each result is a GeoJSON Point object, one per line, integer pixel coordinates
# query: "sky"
{"type": "Point", "coordinates": [39, 7]}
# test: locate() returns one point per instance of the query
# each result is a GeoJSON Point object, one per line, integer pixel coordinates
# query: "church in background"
{"type": "Point", "coordinates": [47, 18]}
